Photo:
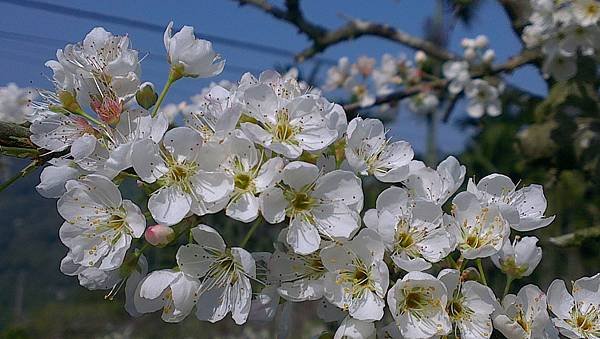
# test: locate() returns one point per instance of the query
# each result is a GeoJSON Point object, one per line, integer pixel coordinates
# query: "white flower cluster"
{"type": "Point", "coordinates": [563, 29]}
{"type": "Point", "coordinates": [267, 148]}
{"type": "Point", "coordinates": [15, 103]}
{"type": "Point", "coordinates": [483, 96]}
{"type": "Point", "coordinates": [363, 81]}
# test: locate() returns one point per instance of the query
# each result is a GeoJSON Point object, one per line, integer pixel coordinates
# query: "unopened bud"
{"type": "Point", "coordinates": [481, 41]}
{"type": "Point", "coordinates": [159, 235]}
{"type": "Point", "coordinates": [488, 56]}
{"type": "Point", "coordinates": [146, 96]}
{"type": "Point", "coordinates": [420, 57]}
{"type": "Point", "coordinates": [69, 102]}
{"type": "Point", "coordinates": [470, 54]}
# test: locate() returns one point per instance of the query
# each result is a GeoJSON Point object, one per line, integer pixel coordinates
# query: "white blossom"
{"type": "Point", "coordinates": [186, 183]}
{"type": "Point", "coordinates": [317, 205]}
{"type": "Point", "coordinates": [525, 315]}
{"type": "Point", "coordinates": [418, 304]}
{"type": "Point", "coordinates": [577, 314]}
{"type": "Point", "coordinates": [190, 56]}
{"type": "Point", "coordinates": [224, 273]}
{"type": "Point", "coordinates": [357, 278]}
{"type": "Point", "coordinates": [99, 224]}
{"type": "Point", "coordinates": [519, 258]}
{"type": "Point", "coordinates": [410, 229]}
{"type": "Point", "coordinates": [436, 185]}
{"type": "Point", "coordinates": [369, 152]}
{"type": "Point", "coordinates": [483, 99]}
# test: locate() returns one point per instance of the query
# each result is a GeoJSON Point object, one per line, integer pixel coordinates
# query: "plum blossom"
{"type": "Point", "coordinates": [317, 205]}
{"type": "Point", "coordinates": [357, 278]}
{"type": "Point", "coordinates": [225, 275]}
{"type": "Point", "coordinates": [190, 56]}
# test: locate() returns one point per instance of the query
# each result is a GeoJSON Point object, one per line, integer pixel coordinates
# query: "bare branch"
{"type": "Point", "coordinates": [323, 38]}
{"type": "Point", "coordinates": [576, 238]}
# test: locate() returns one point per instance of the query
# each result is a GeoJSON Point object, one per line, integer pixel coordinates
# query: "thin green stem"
{"type": "Point", "coordinates": [22, 173]}
{"type": "Point", "coordinates": [509, 280]}
{"type": "Point", "coordinates": [481, 272]}
{"type": "Point", "coordinates": [19, 152]}
{"type": "Point", "coordinates": [251, 231]}
{"type": "Point", "coordinates": [172, 78]}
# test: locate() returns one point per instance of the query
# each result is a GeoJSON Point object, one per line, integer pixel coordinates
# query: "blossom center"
{"type": "Point", "coordinates": [242, 181]}
{"type": "Point", "coordinates": [302, 201]}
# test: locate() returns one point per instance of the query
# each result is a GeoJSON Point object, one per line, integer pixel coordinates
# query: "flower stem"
{"type": "Point", "coordinates": [22, 173]}
{"type": "Point", "coordinates": [252, 229]}
{"type": "Point", "coordinates": [509, 280]}
{"type": "Point", "coordinates": [481, 272]}
{"type": "Point", "coordinates": [163, 93]}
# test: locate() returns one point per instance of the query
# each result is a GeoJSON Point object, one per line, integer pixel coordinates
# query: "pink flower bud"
{"type": "Point", "coordinates": [159, 235]}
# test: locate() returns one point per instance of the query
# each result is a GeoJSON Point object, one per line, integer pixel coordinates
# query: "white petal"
{"type": "Point", "coordinates": [169, 205]}
{"type": "Point", "coordinates": [303, 237]}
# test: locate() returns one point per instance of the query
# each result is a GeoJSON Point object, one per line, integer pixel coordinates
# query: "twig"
{"type": "Point", "coordinates": [322, 38]}
{"type": "Point", "coordinates": [576, 238]}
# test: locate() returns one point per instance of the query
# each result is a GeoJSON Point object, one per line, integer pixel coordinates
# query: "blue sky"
{"type": "Point", "coordinates": [22, 59]}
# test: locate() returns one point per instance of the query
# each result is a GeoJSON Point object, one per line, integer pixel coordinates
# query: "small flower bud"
{"type": "Point", "coordinates": [488, 56]}
{"type": "Point", "coordinates": [470, 54]}
{"type": "Point", "coordinates": [146, 96]}
{"type": "Point", "coordinates": [481, 41]}
{"type": "Point", "coordinates": [420, 57]}
{"type": "Point", "coordinates": [159, 235]}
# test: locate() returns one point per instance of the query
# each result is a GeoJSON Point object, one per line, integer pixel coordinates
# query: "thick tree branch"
{"type": "Point", "coordinates": [323, 38]}
{"type": "Point", "coordinates": [14, 142]}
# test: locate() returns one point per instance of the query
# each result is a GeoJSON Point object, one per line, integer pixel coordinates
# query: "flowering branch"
{"type": "Point", "coordinates": [525, 57]}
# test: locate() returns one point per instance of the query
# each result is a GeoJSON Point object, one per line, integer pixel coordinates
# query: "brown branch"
{"type": "Point", "coordinates": [14, 142]}
{"type": "Point", "coordinates": [322, 38]}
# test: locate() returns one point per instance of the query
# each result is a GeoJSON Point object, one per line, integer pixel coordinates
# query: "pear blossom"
{"type": "Point", "coordinates": [286, 126]}
{"type": "Point", "coordinates": [436, 185]}
{"type": "Point", "coordinates": [369, 153]}
{"type": "Point", "coordinates": [56, 131]}
{"type": "Point", "coordinates": [103, 71]}
{"type": "Point", "coordinates": [186, 183]}
{"type": "Point", "coordinates": [410, 229]}
{"type": "Point", "coordinates": [317, 205]}
{"type": "Point", "coordinates": [519, 258]}
{"type": "Point", "coordinates": [586, 12]}
{"type": "Point", "coordinates": [337, 75]}
{"type": "Point", "coordinates": [418, 305]}
{"type": "Point", "coordinates": [251, 175]}
{"type": "Point", "coordinates": [225, 275]}
{"type": "Point", "coordinates": [458, 74]}
{"type": "Point", "coordinates": [99, 225]}
{"type": "Point", "coordinates": [483, 99]}
{"type": "Point", "coordinates": [525, 315]}
{"type": "Point", "coordinates": [480, 230]}
{"type": "Point", "coordinates": [470, 305]}
{"type": "Point", "coordinates": [351, 328]}
{"type": "Point", "coordinates": [169, 290]}
{"type": "Point", "coordinates": [357, 278]}
{"type": "Point", "coordinates": [577, 314]}
{"type": "Point", "coordinates": [214, 114]}
{"type": "Point", "coordinates": [423, 103]}
{"type": "Point", "coordinates": [190, 56]}
{"type": "Point", "coordinates": [54, 177]}
{"type": "Point", "coordinates": [523, 208]}
{"type": "Point", "coordinates": [15, 103]}
{"type": "Point", "coordinates": [299, 277]}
